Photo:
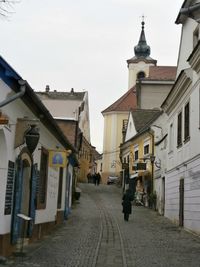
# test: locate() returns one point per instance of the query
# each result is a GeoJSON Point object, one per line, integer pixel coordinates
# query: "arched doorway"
{"type": "Point", "coordinates": [24, 195]}
{"type": "Point", "coordinates": [26, 183]}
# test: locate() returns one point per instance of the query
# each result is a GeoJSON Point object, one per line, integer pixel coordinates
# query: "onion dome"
{"type": "Point", "coordinates": [142, 49]}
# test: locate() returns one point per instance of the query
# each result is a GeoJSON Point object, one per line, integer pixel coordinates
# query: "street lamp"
{"type": "Point", "coordinates": [32, 137]}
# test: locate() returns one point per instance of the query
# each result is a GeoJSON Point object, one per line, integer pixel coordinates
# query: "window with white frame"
{"type": "Point", "coordinates": [136, 152]}
{"type": "Point", "coordinates": [136, 155]}
{"type": "Point", "coordinates": [186, 122]}
{"type": "Point", "coordinates": [146, 147]}
{"type": "Point", "coordinates": [179, 129]}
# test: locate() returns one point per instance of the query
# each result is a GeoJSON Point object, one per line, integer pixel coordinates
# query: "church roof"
{"type": "Point", "coordinates": [124, 103]}
{"type": "Point", "coordinates": [164, 73]}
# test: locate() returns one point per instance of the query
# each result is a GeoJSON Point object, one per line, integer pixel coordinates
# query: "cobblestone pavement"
{"type": "Point", "coordinates": [95, 235]}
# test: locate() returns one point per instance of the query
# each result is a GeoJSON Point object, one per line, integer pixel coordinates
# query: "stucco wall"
{"type": "Point", "coordinates": [152, 96]}
{"type": "Point", "coordinates": [112, 138]}
{"type": "Point", "coordinates": [134, 69]}
{"type": "Point", "coordinates": [186, 44]}
{"type": "Point", "coordinates": [14, 110]}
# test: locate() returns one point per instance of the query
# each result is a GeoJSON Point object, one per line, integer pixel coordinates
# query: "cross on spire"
{"type": "Point", "coordinates": [142, 49]}
{"type": "Point", "coordinates": [143, 17]}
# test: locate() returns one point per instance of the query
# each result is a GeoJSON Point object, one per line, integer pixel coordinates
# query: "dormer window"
{"type": "Point", "coordinates": [140, 75]}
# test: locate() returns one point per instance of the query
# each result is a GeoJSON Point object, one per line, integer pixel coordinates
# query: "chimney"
{"type": "Point", "coordinates": [47, 89]}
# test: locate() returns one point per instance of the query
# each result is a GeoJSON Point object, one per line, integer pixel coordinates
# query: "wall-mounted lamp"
{"type": "Point", "coordinates": [158, 163]}
{"type": "Point", "coordinates": [32, 137]}
{"type": "Point", "coordinates": [150, 157]}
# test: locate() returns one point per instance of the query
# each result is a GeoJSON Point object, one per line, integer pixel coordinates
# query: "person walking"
{"type": "Point", "coordinates": [95, 178]}
{"type": "Point", "coordinates": [98, 178]}
{"type": "Point", "coordinates": [127, 205]}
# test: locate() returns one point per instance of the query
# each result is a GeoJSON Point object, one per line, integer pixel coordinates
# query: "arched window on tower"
{"type": "Point", "coordinates": [140, 75]}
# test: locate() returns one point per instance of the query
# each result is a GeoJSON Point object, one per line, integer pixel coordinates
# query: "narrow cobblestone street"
{"type": "Point", "coordinates": [96, 235]}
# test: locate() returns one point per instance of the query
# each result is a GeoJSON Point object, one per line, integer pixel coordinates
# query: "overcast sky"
{"type": "Point", "coordinates": [84, 44]}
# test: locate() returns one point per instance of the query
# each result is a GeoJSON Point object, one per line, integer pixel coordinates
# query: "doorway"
{"type": "Point", "coordinates": [26, 177]}
{"type": "Point", "coordinates": [181, 202]}
{"type": "Point", "coordinates": [22, 195]}
{"type": "Point", "coordinates": [163, 197]}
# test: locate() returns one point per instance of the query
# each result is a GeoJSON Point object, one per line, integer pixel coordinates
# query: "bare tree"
{"type": "Point", "coordinates": [6, 7]}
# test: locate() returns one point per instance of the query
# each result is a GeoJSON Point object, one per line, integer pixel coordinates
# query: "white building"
{"type": "Point", "coordinates": [159, 128]}
{"type": "Point", "coordinates": [71, 105]}
{"type": "Point", "coordinates": [182, 203]}
{"type": "Point", "coordinates": [29, 182]}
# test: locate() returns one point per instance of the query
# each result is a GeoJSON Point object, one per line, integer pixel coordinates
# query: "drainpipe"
{"type": "Point", "coordinates": [22, 84]}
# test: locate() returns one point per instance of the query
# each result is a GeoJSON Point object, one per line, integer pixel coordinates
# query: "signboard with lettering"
{"type": "Point", "coordinates": [141, 166]}
{"type": "Point", "coordinates": [125, 166]}
{"type": "Point", "coordinates": [9, 188]}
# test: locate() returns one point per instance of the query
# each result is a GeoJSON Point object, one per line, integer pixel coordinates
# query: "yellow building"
{"type": "Point", "coordinates": [116, 115]}
{"type": "Point", "coordinates": [138, 152]}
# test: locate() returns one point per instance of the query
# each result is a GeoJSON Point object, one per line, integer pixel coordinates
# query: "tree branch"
{"type": "Point", "coordinates": [6, 7]}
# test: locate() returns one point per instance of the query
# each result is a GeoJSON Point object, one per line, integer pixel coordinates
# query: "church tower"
{"type": "Point", "coordinates": [116, 115]}
{"type": "Point", "coordinates": [138, 65]}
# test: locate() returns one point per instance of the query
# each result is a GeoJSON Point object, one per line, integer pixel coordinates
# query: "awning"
{"type": "Point", "coordinates": [145, 173]}
{"type": "Point", "coordinates": [133, 176]}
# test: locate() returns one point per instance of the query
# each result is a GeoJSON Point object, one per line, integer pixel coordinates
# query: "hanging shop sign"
{"type": "Point", "coordinates": [141, 166]}
{"type": "Point", "coordinates": [125, 166]}
{"type": "Point", "coordinates": [58, 158]}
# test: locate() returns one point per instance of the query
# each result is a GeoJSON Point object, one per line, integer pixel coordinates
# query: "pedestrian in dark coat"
{"type": "Point", "coordinates": [127, 205]}
{"type": "Point", "coordinates": [95, 178]}
{"type": "Point", "coordinates": [98, 178]}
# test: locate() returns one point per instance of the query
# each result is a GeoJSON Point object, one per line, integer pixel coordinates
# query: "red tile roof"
{"type": "Point", "coordinates": [162, 73]}
{"type": "Point", "coordinates": [129, 101]}
{"type": "Point", "coordinates": [125, 103]}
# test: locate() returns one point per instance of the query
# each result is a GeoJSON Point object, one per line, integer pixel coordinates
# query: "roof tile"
{"type": "Point", "coordinates": [164, 73]}
{"type": "Point", "coordinates": [125, 103]}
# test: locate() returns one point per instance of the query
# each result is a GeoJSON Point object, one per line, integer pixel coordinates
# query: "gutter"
{"type": "Point", "coordinates": [16, 96]}
{"type": "Point", "coordinates": [160, 141]}
{"type": "Point", "coordinates": [190, 9]}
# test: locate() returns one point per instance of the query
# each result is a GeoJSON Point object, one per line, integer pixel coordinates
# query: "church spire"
{"type": "Point", "coordinates": [142, 49]}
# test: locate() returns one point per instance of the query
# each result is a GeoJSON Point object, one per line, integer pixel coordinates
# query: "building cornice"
{"type": "Point", "coordinates": [181, 85]}
{"type": "Point", "coordinates": [163, 82]}
{"type": "Point", "coordinates": [194, 58]}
